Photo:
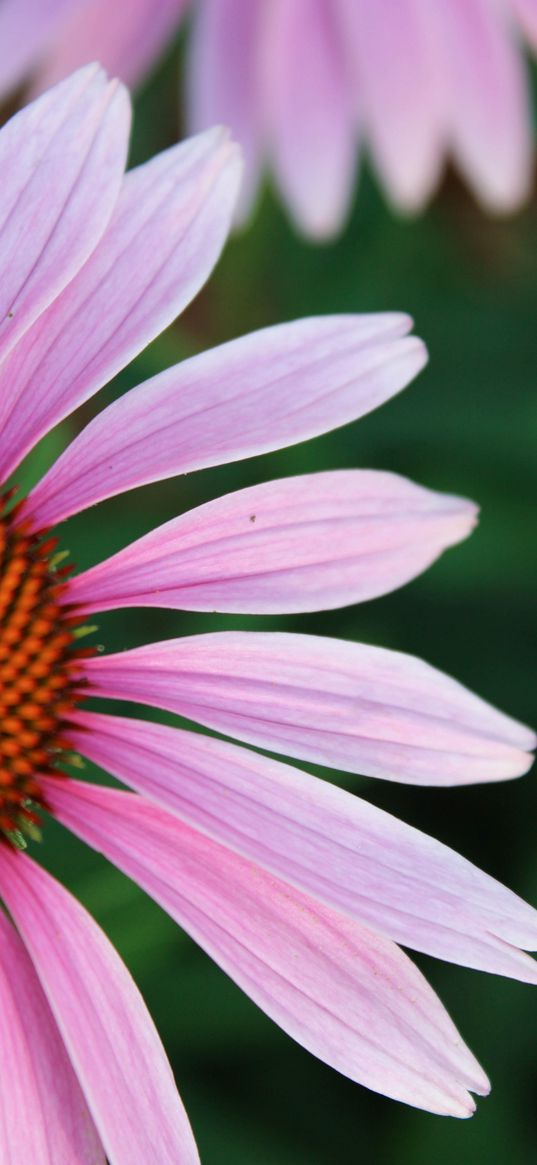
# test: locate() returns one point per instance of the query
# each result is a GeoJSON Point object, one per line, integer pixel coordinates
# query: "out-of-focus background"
{"type": "Point", "coordinates": [469, 426]}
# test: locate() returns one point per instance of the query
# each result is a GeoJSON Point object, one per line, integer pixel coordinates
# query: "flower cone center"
{"type": "Point", "coordinates": [37, 692]}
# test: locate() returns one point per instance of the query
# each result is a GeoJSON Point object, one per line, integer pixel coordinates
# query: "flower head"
{"type": "Point", "coordinates": [304, 86]}
{"type": "Point", "coordinates": [300, 891]}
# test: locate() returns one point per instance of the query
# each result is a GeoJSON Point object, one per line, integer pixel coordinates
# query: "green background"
{"type": "Point", "coordinates": [467, 425]}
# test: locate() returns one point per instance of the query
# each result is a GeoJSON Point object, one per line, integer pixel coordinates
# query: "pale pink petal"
{"type": "Point", "coordinates": [264, 391]}
{"type": "Point", "coordinates": [396, 93]}
{"type": "Point", "coordinates": [223, 82]}
{"type": "Point", "coordinates": [302, 544]}
{"type": "Point", "coordinates": [346, 994]}
{"type": "Point", "coordinates": [308, 112]}
{"type": "Point", "coordinates": [168, 229]}
{"type": "Point", "coordinates": [27, 29]}
{"type": "Point", "coordinates": [61, 165]}
{"type": "Point", "coordinates": [525, 11]}
{"type": "Point", "coordinates": [487, 100]}
{"type": "Point", "coordinates": [347, 853]}
{"type": "Point", "coordinates": [126, 36]}
{"type": "Point", "coordinates": [110, 1038]}
{"type": "Point", "coordinates": [43, 1115]}
{"type": "Point", "coordinates": [347, 705]}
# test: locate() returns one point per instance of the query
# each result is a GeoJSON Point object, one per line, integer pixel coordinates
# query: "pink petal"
{"type": "Point", "coordinates": [43, 1114]}
{"type": "Point", "coordinates": [222, 80]}
{"type": "Point", "coordinates": [27, 28]}
{"type": "Point", "coordinates": [126, 36]}
{"type": "Point", "coordinates": [397, 95]}
{"type": "Point", "coordinates": [167, 232]}
{"type": "Point", "coordinates": [525, 11]}
{"type": "Point", "coordinates": [308, 112]}
{"type": "Point", "coordinates": [106, 1029]}
{"type": "Point", "coordinates": [262, 392]}
{"type": "Point", "coordinates": [325, 841]}
{"type": "Point", "coordinates": [347, 995]}
{"type": "Point", "coordinates": [302, 544]}
{"type": "Point", "coordinates": [61, 164]}
{"type": "Point", "coordinates": [488, 108]}
{"type": "Point", "coordinates": [347, 705]}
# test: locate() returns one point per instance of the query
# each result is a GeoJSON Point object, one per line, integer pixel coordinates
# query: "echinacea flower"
{"type": "Point", "coordinates": [299, 890]}
{"type": "Point", "coordinates": [304, 85]}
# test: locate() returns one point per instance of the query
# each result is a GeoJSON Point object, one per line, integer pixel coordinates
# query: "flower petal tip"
{"type": "Point", "coordinates": [464, 1106]}
{"type": "Point", "coordinates": [479, 1084]}
{"type": "Point", "coordinates": [465, 1109]}
{"type": "Point", "coordinates": [416, 354]}
{"type": "Point", "coordinates": [422, 349]}
{"type": "Point", "coordinates": [217, 135]}
{"type": "Point", "coordinates": [527, 969]}
{"type": "Point", "coordinates": [463, 515]}
{"type": "Point", "coordinates": [530, 755]}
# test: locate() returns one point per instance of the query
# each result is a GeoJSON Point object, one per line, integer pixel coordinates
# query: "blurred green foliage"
{"type": "Point", "coordinates": [468, 425]}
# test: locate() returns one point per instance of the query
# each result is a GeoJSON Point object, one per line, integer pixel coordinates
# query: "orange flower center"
{"type": "Point", "coordinates": [37, 681]}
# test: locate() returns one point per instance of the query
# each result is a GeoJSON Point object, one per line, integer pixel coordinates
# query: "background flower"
{"type": "Point", "coordinates": [306, 86]}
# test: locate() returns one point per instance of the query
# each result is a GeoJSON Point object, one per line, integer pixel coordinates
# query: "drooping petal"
{"type": "Point", "coordinates": [347, 705]}
{"type": "Point", "coordinates": [168, 229]}
{"type": "Point", "coordinates": [27, 28]}
{"type": "Point", "coordinates": [223, 81]}
{"type": "Point", "coordinates": [127, 37]}
{"type": "Point", "coordinates": [487, 100]}
{"type": "Point", "coordinates": [302, 544]}
{"type": "Point", "coordinates": [264, 391]}
{"type": "Point", "coordinates": [396, 92]}
{"type": "Point", "coordinates": [308, 112]}
{"type": "Point", "coordinates": [61, 165]}
{"type": "Point", "coordinates": [43, 1114]}
{"type": "Point", "coordinates": [339, 848]}
{"type": "Point", "coordinates": [346, 994]}
{"type": "Point", "coordinates": [110, 1038]}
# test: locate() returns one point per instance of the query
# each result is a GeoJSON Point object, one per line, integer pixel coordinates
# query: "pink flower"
{"type": "Point", "coordinates": [299, 890]}
{"type": "Point", "coordinates": [39, 39]}
{"type": "Point", "coordinates": [304, 85]}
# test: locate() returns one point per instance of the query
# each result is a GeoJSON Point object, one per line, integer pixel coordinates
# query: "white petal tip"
{"type": "Point", "coordinates": [505, 200]}
{"type": "Point", "coordinates": [216, 135]}
{"type": "Point", "coordinates": [481, 1085]}
{"type": "Point", "coordinates": [527, 973]}
{"type": "Point", "coordinates": [525, 762]}
{"type": "Point", "coordinates": [464, 1112]}
{"type": "Point", "coordinates": [411, 355]}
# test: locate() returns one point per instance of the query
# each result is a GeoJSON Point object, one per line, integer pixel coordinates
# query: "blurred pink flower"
{"type": "Point", "coordinates": [303, 85]}
{"type": "Point", "coordinates": [299, 890]}
{"type": "Point", "coordinates": [44, 40]}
